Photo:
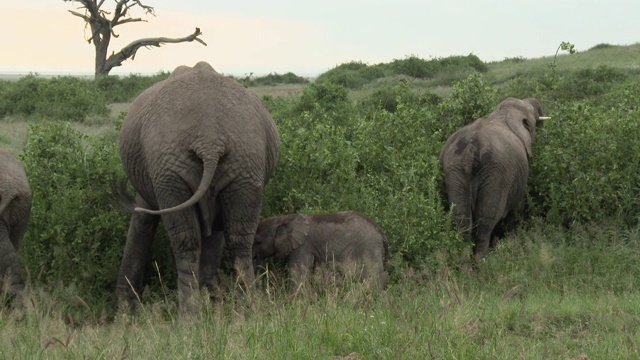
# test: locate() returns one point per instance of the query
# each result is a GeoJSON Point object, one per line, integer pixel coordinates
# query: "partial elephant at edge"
{"type": "Point", "coordinates": [15, 208]}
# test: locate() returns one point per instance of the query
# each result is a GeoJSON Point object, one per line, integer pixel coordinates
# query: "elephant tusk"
{"type": "Point", "coordinates": [545, 117]}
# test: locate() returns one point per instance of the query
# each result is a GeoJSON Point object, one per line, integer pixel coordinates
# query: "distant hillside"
{"type": "Point", "coordinates": [626, 58]}
{"type": "Point", "coordinates": [438, 75]}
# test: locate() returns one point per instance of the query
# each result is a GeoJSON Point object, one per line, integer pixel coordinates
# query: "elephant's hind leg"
{"type": "Point", "coordinates": [241, 203]}
{"type": "Point", "coordinates": [142, 229]}
{"type": "Point", "coordinates": [483, 236]}
{"type": "Point", "coordinates": [184, 233]}
{"type": "Point", "coordinates": [210, 259]}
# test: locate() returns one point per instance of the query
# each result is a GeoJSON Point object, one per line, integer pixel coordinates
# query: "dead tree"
{"type": "Point", "coordinates": [102, 24]}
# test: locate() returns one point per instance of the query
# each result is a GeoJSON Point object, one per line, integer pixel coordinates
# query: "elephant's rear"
{"type": "Point", "coordinates": [202, 113]}
{"type": "Point", "coordinates": [460, 159]}
{"type": "Point", "coordinates": [376, 257]}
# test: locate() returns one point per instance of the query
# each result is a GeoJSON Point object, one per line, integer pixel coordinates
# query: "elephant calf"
{"type": "Point", "coordinates": [347, 239]}
{"type": "Point", "coordinates": [15, 207]}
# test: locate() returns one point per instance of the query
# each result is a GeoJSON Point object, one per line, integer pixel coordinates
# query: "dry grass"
{"type": "Point", "coordinates": [278, 90]}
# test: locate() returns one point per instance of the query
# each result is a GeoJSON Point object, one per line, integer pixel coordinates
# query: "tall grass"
{"type": "Point", "coordinates": [547, 293]}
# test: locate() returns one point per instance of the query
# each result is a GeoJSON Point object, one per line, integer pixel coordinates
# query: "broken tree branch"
{"type": "Point", "coordinates": [130, 50]}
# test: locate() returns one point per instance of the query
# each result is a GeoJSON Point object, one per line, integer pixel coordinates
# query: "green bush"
{"type": "Point", "coordinates": [414, 66]}
{"type": "Point", "coordinates": [75, 236]}
{"type": "Point", "coordinates": [451, 63]}
{"type": "Point", "coordinates": [326, 98]}
{"type": "Point", "coordinates": [587, 163]}
{"type": "Point", "coordinates": [355, 74]}
{"type": "Point", "coordinates": [602, 46]}
{"type": "Point", "coordinates": [388, 97]}
{"type": "Point", "coordinates": [384, 165]}
{"type": "Point", "coordinates": [471, 99]}
{"type": "Point", "coordinates": [352, 75]}
{"type": "Point", "coordinates": [125, 89]}
{"type": "Point", "coordinates": [272, 79]}
{"type": "Point", "coordinates": [62, 98]}
{"type": "Point", "coordinates": [589, 83]}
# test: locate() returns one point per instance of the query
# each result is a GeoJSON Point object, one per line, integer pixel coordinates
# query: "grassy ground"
{"type": "Point", "coordinates": [543, 294]}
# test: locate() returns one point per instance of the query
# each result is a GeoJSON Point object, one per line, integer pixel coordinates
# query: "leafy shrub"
{"type": "Point", "coordinates": [413, 66]}
{"type": "Point", "coordinates": [64, 98]}
{"type": "Point", "coordinates": [75, 236]}
{"type": "Point", "coordinates": [125, 89]}
{"type": "Point", "coordinates": [588, 83]}
{"type": "Point", "coordinates": [587, 164]}
{"type": "Point", "coordinates": [470, 99]}
{"type": "Point", "coordinates": [355, 74]}
{"type": "Point", "coordinates": [515, 59]}
{"type": "Point", "coordinates": [326, 98]}
{"type": "Point", "coordinates": [451, 63]}
{"type": "Point", "coordinates": [352, 75]}
{"type": "Point", "coordinates": [602, 46]}
{"type": "Point", "coordinates": [388, 97]}
{"type": "Point", "coordinates": [384, 165]}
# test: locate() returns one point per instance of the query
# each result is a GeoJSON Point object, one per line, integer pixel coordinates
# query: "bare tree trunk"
{"type": "Point", "coordinates": [102, 30]}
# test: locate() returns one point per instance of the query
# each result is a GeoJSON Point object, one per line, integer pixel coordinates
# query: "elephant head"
{"type": "Point", "coordinates": [522, 117]}
{"type": "Point", "coordinates": [280, 235]}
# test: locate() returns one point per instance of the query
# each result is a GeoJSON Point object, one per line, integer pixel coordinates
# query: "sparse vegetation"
{"type": "Point", "coordinates": [564, 284]}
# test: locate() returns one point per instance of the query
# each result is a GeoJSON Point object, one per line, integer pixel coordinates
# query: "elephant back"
{"type": "Point", "coordinates": [198, 104]}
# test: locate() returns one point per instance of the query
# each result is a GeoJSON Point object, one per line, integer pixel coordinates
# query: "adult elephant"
{"type": "Point", "coordinates": [486, 166]}
{"type": "Point", "coordinates": [15, 207]}
{"type": "Point", "coordinates": [198, 148]}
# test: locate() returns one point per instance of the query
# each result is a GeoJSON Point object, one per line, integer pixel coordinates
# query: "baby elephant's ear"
{"type": "Point", "coordinates": [291, 234]}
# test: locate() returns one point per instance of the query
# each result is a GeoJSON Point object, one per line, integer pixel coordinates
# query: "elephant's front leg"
{"type": "Point", "coordinates": [142, 229]}
{"type": "Point", "coordinates": [300, 263]}
{"type": "Point", "coordinates": [210, 258]}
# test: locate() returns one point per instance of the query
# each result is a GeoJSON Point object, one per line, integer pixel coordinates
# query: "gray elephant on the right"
{"type": "Point", "coordinates": [486, 167]}
{"type": "Point", "coordinates": [348, 240]}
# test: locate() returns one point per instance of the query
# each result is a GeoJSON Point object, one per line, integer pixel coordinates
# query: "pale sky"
{"type": "Point", "coordinates": [310, 37]}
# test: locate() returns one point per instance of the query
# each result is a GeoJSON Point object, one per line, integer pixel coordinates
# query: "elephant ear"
{"type": "Point", "coordinates": [537, 109]}
{"type": "Point", "coordinates": [522, 121]}
{"type": "Point", "coordinates": [291, 234]}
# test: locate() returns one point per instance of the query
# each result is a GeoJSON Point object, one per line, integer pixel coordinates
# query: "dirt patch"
{"type": "Point", "coordinates": [117, 108]}
{"type": "Point", "coordinates": [278, 90]}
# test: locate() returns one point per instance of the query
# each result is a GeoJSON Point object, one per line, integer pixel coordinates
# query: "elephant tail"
{"type": "Point", "coordinates": [205, 183]}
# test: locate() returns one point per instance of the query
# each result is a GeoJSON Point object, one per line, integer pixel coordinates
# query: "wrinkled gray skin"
{"type": "Point", "coordinates": [486, 166]}
{"type": "Point", "coordinates": [351, 240]}
{"type": "Point", "coordinates": [15, 207]}
{"type": "Point", "coordinates": [200, 147]}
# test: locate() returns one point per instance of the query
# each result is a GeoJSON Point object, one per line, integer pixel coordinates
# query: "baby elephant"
{"type": "Point", "coordinates": [349, 240]}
